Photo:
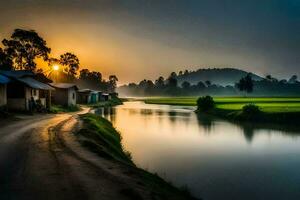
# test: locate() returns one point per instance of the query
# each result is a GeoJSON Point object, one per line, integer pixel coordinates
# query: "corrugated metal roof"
{"type": "Point", "coordinates": [63, 85]}
{"type": "Point", "coordinates": [4, 79]}
{"type": "Point", "coordinates": [85, 90]}
{"type": "Point", "coordinates": [35, 84]}
{"type": "Point", "coordinates": [17, 74]}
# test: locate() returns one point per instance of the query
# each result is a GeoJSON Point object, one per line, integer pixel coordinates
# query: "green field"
{"type": "Point", "coordinates": [267, 104]}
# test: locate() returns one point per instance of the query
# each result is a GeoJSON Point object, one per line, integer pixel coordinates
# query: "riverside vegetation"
{"type": "Point", "coordinates": [99, 136]}
{"type": "Point", "coordinates": [256, 109]}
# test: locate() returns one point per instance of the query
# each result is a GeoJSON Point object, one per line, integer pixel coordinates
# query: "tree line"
{"type": "Point", "coordinates": [246, 85]}
{"type": "Point", "coordinates": [24, 47]}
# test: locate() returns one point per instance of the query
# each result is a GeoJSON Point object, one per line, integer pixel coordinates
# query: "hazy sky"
{"type": "Point", "coordinates": [137, 39]}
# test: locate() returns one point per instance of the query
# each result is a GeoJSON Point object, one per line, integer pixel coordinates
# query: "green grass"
{"type": "Point", "coordinates": [63, 109]}
{"type": "Point", "coordinates": [284, 110]}
{"type": "Point", "coordinates": [102, 138]}
{"type": "Point", "coordinates": [267, 104]}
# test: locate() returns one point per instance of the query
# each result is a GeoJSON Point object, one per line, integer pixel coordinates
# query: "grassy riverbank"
{"type": "Point", "coordinates": [273, 109]}
{"type": "Point", "coordinates": [63, 109]}
{"type": "Point", "coordinates": [99, 136]}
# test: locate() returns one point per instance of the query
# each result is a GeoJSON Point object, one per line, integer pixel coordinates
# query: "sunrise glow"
{"type": "Point", "coordinates": [55, 67]}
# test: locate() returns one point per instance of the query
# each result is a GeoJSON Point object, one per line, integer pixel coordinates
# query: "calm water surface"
{"type": "Point", "coordinates": [215, 159]}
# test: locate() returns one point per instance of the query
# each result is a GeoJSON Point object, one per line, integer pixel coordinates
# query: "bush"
{"type": "Point", "coordinates": [251, 111]}
{"type": "Point", "coordinates": [205, 104]}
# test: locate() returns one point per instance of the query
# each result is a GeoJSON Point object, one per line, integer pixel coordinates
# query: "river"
{"type": "Point", "coordinates": [214, 159]}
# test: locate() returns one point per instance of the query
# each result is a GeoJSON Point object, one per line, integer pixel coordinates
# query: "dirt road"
{"type": "Point", "coordinates": [41, 159]}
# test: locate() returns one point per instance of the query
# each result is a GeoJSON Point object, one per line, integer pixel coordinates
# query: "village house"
{"type": "Point", "coordinates": [23, 89]}
{"type": "Point", "coordinates": [94, 97]}
{"type": "Point", "coordinates": [106, 97]}
{"type": "Point", "coordinates": [84, 96]}
{"type": "Point", "coordinates": [88, 96]}
{"type": "Point", "coordinates": [64, 94]}
{"type": "Point", "coordinates": [100, 96]}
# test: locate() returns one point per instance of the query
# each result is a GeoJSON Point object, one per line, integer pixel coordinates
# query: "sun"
{"type": "Point", "coordinates": [55, 67]}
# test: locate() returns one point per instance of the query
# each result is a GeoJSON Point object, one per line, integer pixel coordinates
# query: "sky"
{"type": "Point", "coordinates": [143, 39]}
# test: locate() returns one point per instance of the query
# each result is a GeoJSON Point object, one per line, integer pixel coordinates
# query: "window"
{"type": "Point", "coordinates": [73, 95]}
{"type": "Point", "coordinates": [33, 92]}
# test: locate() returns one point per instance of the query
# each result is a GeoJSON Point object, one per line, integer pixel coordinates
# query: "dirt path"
{"type": "Point", "coordinates": [41, 159]}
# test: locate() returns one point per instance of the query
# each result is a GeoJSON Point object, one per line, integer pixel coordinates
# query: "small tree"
{"type": "Point", "coordinates": [186, 85]}
{"type": "Point", "coordinates": [208, 83]}
{"type": "Point", "coordinates": [205, 104]}
{"type": "Point", "coordinates": [251, 112]}
{"type": "Point", "coordinates": [245, 84]}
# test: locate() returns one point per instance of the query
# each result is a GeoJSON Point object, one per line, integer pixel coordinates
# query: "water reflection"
{"type": "Point", "coordinates": [206, 122]}
{"type": "Point", "coordinates": [214, 158]}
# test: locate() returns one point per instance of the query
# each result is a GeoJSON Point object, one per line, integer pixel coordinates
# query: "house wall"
{"type": "Point", "coordinates": [29, 92]}
{"type": "Point", "coordinates": [16, 94]}
{"type": "Point", "coordinates": [19, 96]}
{"type": "Point", "coordinates": [64, 97]}
{"type": "Point", "coordinates": [94, 98]}
{"type": "Point", "coordinates": [100, 96]}
{"type": "Point", "coordinates": [72, 99]}
{"type": "Point", "coordinates": [83, 98]}
{"type": "Point", "coordinates": [3, 97]}
{"type": "Point", "coordinates": [17, 104]}
{"type": "Point", "coordinates": [60, 97]}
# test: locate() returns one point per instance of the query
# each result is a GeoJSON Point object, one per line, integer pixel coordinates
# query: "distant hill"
{"type": "Point", "coordinates": [219, 76]}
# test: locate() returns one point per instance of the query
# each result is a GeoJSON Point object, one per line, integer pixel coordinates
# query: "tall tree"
{"type": "Point", "coordinates": [173, 75]}
{"type": "Point", "coordinates": [245, 84]}
{"type": "Point", "coordinates": [172, 82]}
{"type": "Point", "coordinates": [91, 79]}
{"type": "Point", "coordinates": [112, 80]}
{"type": "Point", "coordinates": [5, 61]}
{"type": "Point", "coordinates": [84, 74]}
{"type": "Point", "coordinates": [186, 85]}
{"type": "Point", "coordinates": [24, 47]}
{"type": "Point", "coordinates": [208, 83]}
{"type": "Point", "coordinates": [160, 82]}
{"type": "Point", "coordinates": [200, 85]}
{"type": "Point", "coordinates": [71, 63]}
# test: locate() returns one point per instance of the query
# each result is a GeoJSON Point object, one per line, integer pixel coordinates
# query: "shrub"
{"type": "Point", "coordinates": [251, 111]}
{"type": "Point", "coordinates": [205, 104]}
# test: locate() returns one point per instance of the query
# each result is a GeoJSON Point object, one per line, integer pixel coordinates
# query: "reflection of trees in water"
{"type": "Point", "coordinates": [132, 111]}
{"type": "Point", "coordinates": [107, 112]}
{"type": "Point", "coordinates": [205, 121]}
{"type": "Point", "coordinates": [248, 130]}
{"type": "Point", "coordinates": [172, 116]}
{"type": "Point", "coordinates": [146, 111]}
{"type": "Point", "coordinates": [159, 112]}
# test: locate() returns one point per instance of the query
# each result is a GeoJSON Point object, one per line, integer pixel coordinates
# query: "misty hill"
{"type": "Point", "coordinates": [219, 76]}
